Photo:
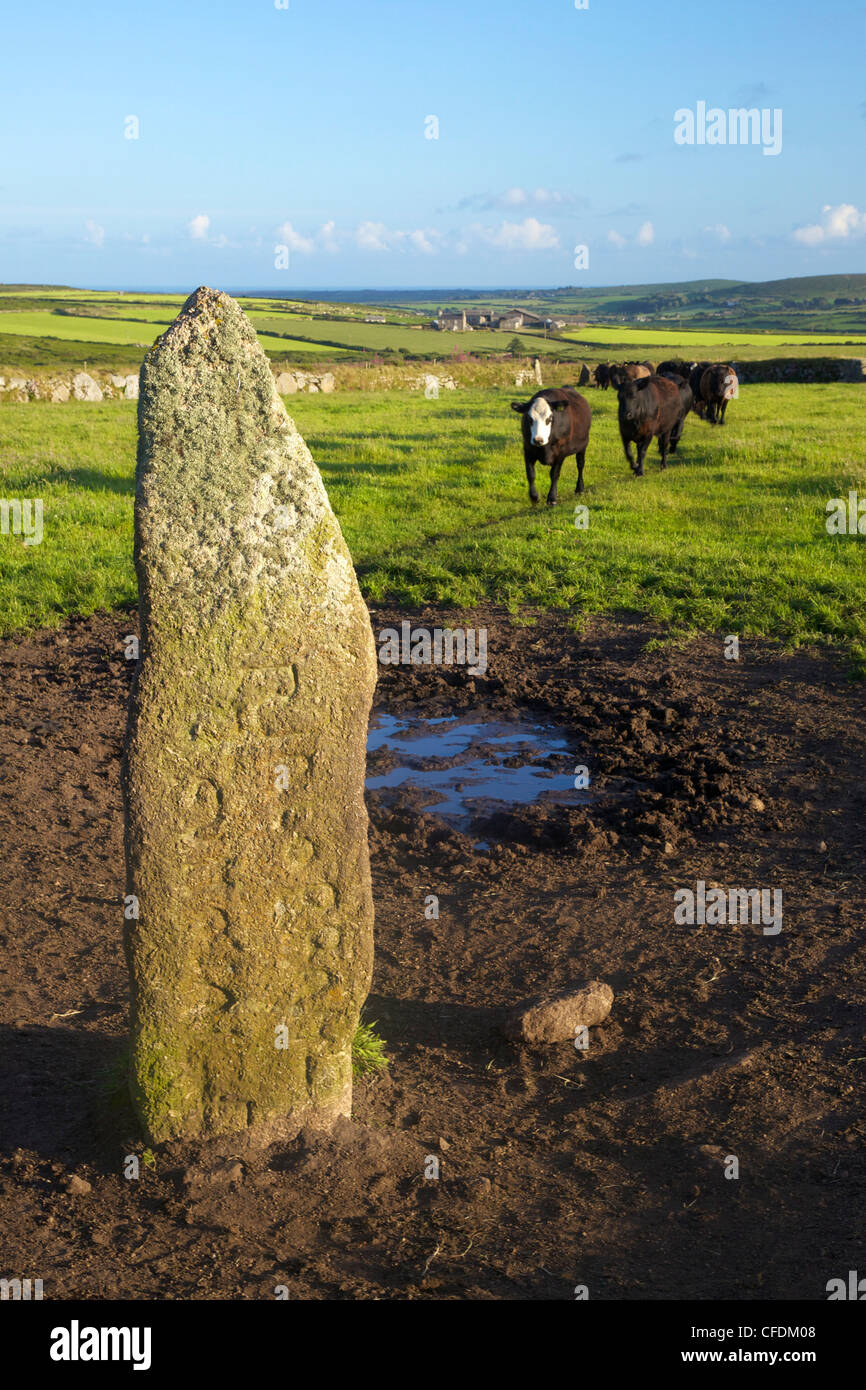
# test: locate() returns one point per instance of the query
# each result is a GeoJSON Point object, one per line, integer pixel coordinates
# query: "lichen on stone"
{"type": "Point", "coordinates": [255, 907]}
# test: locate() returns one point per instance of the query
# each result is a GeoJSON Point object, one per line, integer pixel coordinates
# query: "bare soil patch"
{"type": "Point", "coordinates": [558, 1167]}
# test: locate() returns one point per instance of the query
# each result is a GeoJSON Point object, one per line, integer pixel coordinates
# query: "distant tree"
{"type": "Point", "coordinates": [515, 347]}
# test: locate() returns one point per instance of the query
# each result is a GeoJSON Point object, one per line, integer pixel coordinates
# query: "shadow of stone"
{"type": "Point", "coordinates": [62, 1095]}
{"type": "Point", "coordinates": [416, 1023]}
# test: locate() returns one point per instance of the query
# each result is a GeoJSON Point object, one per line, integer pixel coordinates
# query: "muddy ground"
{"type": "Point", "coordinates": [558, 1167]}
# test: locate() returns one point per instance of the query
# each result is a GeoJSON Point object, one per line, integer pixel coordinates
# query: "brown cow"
{"type": "Point", "coordinates": [628, 371]}
{"type": "Point", "coordinates": [602, 376]}
{"type": "Point", "coordinates": [648, 407]}
{"type": "Point", "coordinates": [719, 385]}
{"type": "Point", "coordinates": [699, 405]}
{"type": "Point", "coordinates": [677, 365]}
{"type": "Point", "coordinates": [555, 424]}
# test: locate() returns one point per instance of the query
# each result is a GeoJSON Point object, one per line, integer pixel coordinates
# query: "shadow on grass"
{"type": "Point", "coordinates": [90, 480]}
{"type": "Point", "coordinates": [366, 567]}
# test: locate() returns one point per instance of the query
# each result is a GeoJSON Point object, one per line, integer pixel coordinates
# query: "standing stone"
{"type": "Point", "coordinates": [246, 832]}
{"type": "Point", "coordinates": [60, 393]}
{"type": "Point", "coordinates": [286, 384]}
{"type": "Point", "coordinates": [130, 388]}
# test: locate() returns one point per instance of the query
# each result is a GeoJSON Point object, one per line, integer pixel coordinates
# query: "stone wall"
{"type": "Point", "coordinates": [802, 369]}
{"type": "Point", "coordinates": [80, 386]}
{"type": "Point", "coordinates": [431, 379]}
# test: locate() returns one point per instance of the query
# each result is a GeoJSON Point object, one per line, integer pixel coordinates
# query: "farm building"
{"type": "Point", "coordinates": [450, 320]}
{"type": "Point", "coordinates": [465, 320]}
{"type": "Point", "coordinates": [515, 318]}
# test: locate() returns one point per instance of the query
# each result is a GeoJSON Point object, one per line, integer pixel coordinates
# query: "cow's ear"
{"type": "Point", "coordinates": [560, 405]}
{"type": "Point", "coordinates": [520, 406]}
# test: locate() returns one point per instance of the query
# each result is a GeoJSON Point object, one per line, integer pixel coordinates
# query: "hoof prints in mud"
{"type": "Point", "coordinates": [465, 770]}
{"type": "Point", "coordinates": [656, 774]}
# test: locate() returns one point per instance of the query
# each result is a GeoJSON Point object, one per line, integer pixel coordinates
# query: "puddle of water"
{"type": "Point", "coordinates": [478, 752]}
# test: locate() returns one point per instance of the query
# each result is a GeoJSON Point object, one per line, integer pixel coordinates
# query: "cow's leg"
{"type": "Point", "coordinates": [722, 408]}
{"type": "Point", "coordinates": [626, 444]}
{"type": "Point", "coordinates": [676, 435]}
{"type": "Point", "coordinates": [555, 469]}
{"type": "Point", "coordinates": [580, 460]}
{"type": "Point", "coordinates": [642, 446]}
{"type": "Point", "coordinates": [530, 477]}
{"type": "Point", "coordinates": [664, 445]}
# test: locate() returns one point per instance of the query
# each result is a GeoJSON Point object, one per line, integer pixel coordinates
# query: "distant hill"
{"type": "Point", "coordinates": [806, 304]}
{"type": "Point", "coordinates": [804, 287]}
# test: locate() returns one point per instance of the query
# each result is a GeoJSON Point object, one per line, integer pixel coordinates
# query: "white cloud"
{"type": "Point", "coordinates": [809, 236]}
{"type": "Point", "coordinates": [528, 235]}
{"type": "Point", "coordinates": [421, 242]}
{"type": "Point", "coordinates": [549, 196]}
{"type": "Point", "coordinates": [323, 240]}
{"type": "Point", "coordinates": [294, 240]}
{"type": "Point", "coordinates": [645, 237]}
{"type": "Point", "coordinates": [94, 234]}
{"type": "Point", "coordinates": [372, 236]}
{"type": "Point", "coordinates": [198, 227]}
{"type": "Point", "coordinates": [375, 236]}
{"type": "Point", "coordinates": [837, 224]}
{"type": "Point", "coordinates": [720, 230]}
{"type": "Point", "coordinates": [516, 198]}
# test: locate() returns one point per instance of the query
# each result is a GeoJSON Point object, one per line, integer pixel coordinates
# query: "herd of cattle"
{"type": "Point", "coordinates": [653, 404]}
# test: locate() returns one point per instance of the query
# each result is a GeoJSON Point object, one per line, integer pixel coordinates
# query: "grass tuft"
{"type": "Point", "coordinates": [368, 1051]}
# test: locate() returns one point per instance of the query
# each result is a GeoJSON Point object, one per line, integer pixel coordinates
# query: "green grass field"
{"type": "Point", "coordinates": [432, 499]}
{"type": "Point", "coordinates": [675, 339]}
{"type": "Point", "coordinates": [35, 324]}
{"type": "Point", "coordinates": [43, 324]}
{"type": "Point", "coordinates": [386, 337]}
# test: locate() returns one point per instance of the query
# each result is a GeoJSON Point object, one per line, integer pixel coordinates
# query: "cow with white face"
{"type": "Point", "coordinates": [555, 424]}
{"type": "Point", "coordinates": [540, 417]}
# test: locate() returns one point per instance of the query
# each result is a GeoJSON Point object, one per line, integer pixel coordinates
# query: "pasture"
{"type": "Point", "coordinates": [42, 327]}
{"type": "Point", "coordinates": [698, 342]}
{"type": "Point", "coordinates": [113, 329]}
{"type": "Point", "coordinates": [432, 498]}
{"type": "Point", "coordinates": [606, 646]}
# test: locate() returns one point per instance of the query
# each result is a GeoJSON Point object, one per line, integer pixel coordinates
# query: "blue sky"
{"type": "Point", "coordinates": [305, 127]}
